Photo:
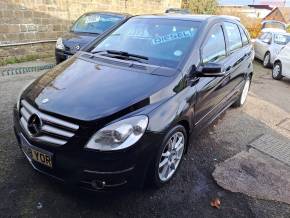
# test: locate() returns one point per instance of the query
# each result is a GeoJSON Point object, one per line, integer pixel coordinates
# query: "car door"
{"type": "Point", "coordinates": [211, 91]}
{"type": "Point", "coordinates": [265, 44]}
{"type": "Point", "coordinates": [239, 57]}
{"type": "Point", "coordinates": [284, 57]}
{"type": "Point", "coordinates": [262, 44]}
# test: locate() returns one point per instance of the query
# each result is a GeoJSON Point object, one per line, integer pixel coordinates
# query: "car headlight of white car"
{"type": "Point", "coordinates": [119, 135]}
{"type": "Point", "coordinates": [59, 44]}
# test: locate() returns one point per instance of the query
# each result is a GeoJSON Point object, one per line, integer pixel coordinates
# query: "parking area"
{"type": "Point", "coordinates": [26, 193]}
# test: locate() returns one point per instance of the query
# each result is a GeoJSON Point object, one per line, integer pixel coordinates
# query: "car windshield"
{"type": "Point", "coordinates": [95, 23]}
{"type": "Point", "coordinates": [281, 39]}
{"type": "Point", "coordinates": [162, 42]}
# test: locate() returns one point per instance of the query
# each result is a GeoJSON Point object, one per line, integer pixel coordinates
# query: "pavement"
{"type": "Point", "coordinates": [26, 193]}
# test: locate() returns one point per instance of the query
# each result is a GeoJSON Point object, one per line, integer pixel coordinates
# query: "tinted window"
{"type": "Point", "coordinates": [165, 42]}
{"type": "Point", "coordinates": [245, 38]}
{"type": "Point", "coordinates": [95, 23]}
{"type": "Point", "coordinates": [281, 39]}
{"type": "Point", "coordinates": [214, 48]}
{"type": "Point", "coordinates": [234, 36]}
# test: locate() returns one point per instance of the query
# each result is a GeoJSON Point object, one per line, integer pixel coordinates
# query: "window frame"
{"type": "Point", "coordinates": [220, 24]}
{"type": "Point", "coordinates": [242, 30]}
{"type": "Point", "coordinates": [227, 38]}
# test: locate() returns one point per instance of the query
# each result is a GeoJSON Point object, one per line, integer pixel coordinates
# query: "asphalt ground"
{"type": "Point", "coordinates": [26, 193]}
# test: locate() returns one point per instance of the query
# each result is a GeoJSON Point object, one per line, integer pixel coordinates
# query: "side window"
{"type": "Point", "coordinates": [268, 38]}
{"type": "Point", "coordinates": [245, 39]}
{"type": "Point", "coordinates": [234, 37]}
{"type": "Point", "coordinates": [214, 48]}
{"type": "Point", "coordinates": [262, 36]}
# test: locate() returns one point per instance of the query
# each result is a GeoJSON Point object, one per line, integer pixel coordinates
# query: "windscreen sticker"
{"type": "Point", "coordinates": [92, 19]}
{"type": "Point", "coordinates": [172, 36]}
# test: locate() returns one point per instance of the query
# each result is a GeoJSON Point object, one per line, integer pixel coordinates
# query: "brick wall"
{"type": "Point", "coordinates": [35, 20]}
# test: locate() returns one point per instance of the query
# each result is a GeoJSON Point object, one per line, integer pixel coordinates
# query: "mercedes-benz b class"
{"type": "Point", "coordinates": [120, 112]}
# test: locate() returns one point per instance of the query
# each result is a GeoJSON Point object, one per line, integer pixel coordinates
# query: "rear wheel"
{"type": "Point", "coordinates": [169, 157]}
{"type": "Point", "coordinates": [277, 71]}
{"type": "Point", "coordinates": [266, 60]}
{"type": "Point", "coordinates": [243, 96]}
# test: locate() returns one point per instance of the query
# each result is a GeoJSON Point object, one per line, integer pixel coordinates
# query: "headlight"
{"type": "Point", "coordinates": [119, 135]}
{"type": "Point", "coordinates": [59, 44]}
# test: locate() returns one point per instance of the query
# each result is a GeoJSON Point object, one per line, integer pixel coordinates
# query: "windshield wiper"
{"type": "Point", "coordinates": [122, 53]}
{"type": "Point", "coordinates": [127, 54]}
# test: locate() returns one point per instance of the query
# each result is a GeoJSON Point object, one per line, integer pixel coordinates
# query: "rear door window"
{"type": "Point", "coordinates": [234, 36]}
{"type": "Point", "coordinates": [214, 48]}
{"type": "Point", "coordinates": [245, 39]}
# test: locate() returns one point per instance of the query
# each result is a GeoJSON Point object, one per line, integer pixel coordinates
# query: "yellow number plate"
{"type": "Point", "coordinates": [41, 158]}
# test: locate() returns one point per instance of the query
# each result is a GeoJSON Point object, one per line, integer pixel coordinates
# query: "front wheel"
{"type": "Point", "coordinates": [243, 96]}
{"type": "Point", "coordinates": [266, 60]}
{"type": "Point", "coordinates": [169, 157]}
{"type": "Point", "coordinates": [277, 71]}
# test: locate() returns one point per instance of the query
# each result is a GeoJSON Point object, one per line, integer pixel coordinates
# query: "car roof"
{"type": "Point", "coordinates": [273, 30]}
{"type": "Point", "coordinates": [109, 13]}
{"type": "Point", "coordinates": [193, 17]}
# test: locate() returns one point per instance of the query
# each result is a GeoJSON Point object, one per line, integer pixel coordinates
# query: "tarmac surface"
{"type": "Point", "coordinates": [26, 193]}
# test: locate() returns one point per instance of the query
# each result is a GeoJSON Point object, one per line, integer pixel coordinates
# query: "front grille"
{"type": "Point", "coordinates": [53, 130]}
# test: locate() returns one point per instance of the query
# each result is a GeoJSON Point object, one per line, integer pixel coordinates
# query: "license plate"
{"type": "Point", "coordinates": [36, 154]}
{"type": "Point", "coordinates": [41, 158]}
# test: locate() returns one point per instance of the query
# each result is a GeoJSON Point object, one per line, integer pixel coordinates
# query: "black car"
{"type": "Point", "coordinates": [86, 29]}
{"type": "Point", "coordinates": [121, 112]}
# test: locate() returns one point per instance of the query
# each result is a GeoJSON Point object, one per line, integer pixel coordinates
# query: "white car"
{"type": "Point", "coordinates": [268, 45]}
{"type": "Point", "coordinates": [281, 66]}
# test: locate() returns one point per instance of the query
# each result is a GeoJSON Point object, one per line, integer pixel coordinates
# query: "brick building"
{"type": "Point", "coordinates": [29, 27]}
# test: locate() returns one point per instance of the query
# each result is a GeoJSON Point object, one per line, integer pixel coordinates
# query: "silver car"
{"type": "Point", "coordinates": [268, 45]}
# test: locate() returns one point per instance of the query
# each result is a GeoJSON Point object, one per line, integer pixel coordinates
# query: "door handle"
{"type": "Point", "coordinates": [228, 68]}
{"type": "Point", "coordinates": [227, 71]}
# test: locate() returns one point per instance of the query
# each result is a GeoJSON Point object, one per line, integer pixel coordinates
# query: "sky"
{"type": "Point", "coordinates": [248, 2]}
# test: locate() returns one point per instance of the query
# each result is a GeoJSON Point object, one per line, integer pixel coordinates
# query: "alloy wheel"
{"type": "Point", "coordinates": [245, 91]}
{"type": "Point", "coordinates": [171, 156]}
{"type": "Point", "coordinates": [266, 60]}
{"type": "Point", "coordinates": [276, 70]}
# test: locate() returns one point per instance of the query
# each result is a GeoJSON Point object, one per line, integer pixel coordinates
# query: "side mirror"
{"type": "Point", "coordinates": [211, 70]}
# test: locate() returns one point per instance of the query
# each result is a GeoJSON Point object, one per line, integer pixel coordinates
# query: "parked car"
{"type": "Point", "coordinates": [273, 26]}
{"type": "Point", "coordinates": [268, 45]}
{"type": "Point", "coordinates": [178, 10]}
{"type": "Point", "coordinates": [86, 29]}
{"type": "Point", "coordinates": [121, 112]}
{"type": "Point", "coordinates": [282, 64]}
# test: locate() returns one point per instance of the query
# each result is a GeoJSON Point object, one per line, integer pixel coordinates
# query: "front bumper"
{"type": "Point", "coordinates": [93, 170]}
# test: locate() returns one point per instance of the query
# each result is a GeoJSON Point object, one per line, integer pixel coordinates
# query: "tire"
{"type": "Point", "coordinates": [277, 71]}
{"type": "Point", "coordinates": [160, 173]}
{"type": "Point", "coordinates": [266, 60]}
{"type": "Point", "coordinates": [244, 93]}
